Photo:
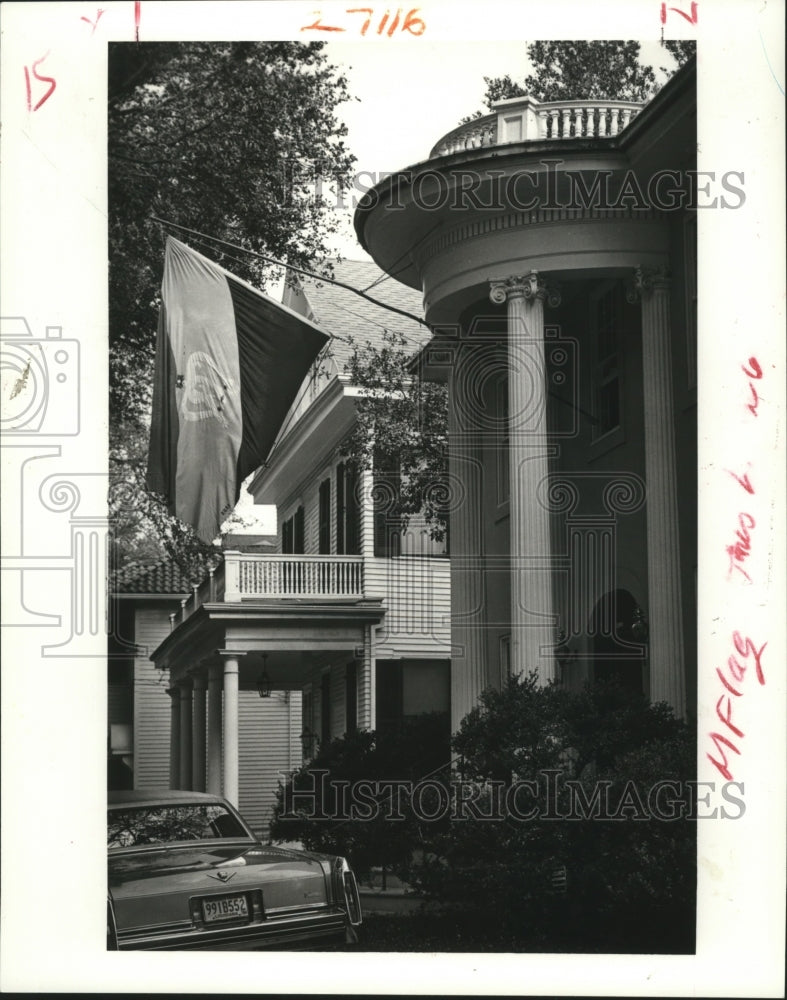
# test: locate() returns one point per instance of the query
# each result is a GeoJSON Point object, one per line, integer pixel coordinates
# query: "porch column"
{"type": "Point", "coordinates": [198, 734]}
{"type": "Point", "coordinates": [174, 736]}
{"type": "Point", "coordinates": [667, 668]}
{"type": "Point", "coordinates": [214, 729]}
{"type": "Point", "coordinates": [185, 734]}
{"type": "Point", "coordinates": [231, 669]}
{"type": "Point", "coordinates": [532, 619]}
{"type": "Point", "coordinates": [367, 687]}
{"type": "Point", "coordinates": [469, 675]}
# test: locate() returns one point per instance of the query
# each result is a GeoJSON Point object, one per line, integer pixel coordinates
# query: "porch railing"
{"type": "Point", "coordinates": [245, 575]}
{"type": "Point", "coordinates": [249, 575]}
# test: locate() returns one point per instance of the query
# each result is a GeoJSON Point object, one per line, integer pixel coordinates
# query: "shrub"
{"type": "Point", "coordinates": [322, 808]}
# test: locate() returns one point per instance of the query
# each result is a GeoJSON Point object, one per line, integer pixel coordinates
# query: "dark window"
{"type": "Point", "coordinates": [325, 518]}
{"type": "Point", "coordinates": [292, 534]}
{"type": "Point", "coordinates": [348, 514]}
{"type": "Point", "coordinates": [389, 696]}
{"type": "Point", "coordinates": [351, 697]}
{"type": "Point", "coordinates": [387, 527]}
{"type": "Point", "coordinates": [606, 369]}
{"type": "Point", "coordinates": [325, 708]}
{"type": "Point", "coordinates": [340, 510]}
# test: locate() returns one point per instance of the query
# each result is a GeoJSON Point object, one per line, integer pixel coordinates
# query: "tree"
{"type": "Point", "coordinates": [401, 432]}
{"type": "Point", "coordinates": [565, 71]}
{"type": "Point", "coordinates": [227, 139]}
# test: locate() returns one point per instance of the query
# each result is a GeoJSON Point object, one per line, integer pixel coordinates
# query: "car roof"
{"type": "Point", "coordinates": [160, 797]}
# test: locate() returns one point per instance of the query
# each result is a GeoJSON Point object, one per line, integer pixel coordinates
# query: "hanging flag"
{"type": "Point", "coordinates": [229, 363]}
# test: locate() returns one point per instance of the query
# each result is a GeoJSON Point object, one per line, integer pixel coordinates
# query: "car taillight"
{"type": "Point", "coordinates": [352, 898]}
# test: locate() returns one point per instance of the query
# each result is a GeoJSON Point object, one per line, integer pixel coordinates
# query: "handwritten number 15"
{"type": "Point", "coordinates": [37, 76]}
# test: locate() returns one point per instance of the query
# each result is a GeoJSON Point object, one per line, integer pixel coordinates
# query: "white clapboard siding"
{"type": "Point", "coordinates": [151, 702]}
{"type": "Point", "coordinates": [417, 598]}
{"type": "Point", "coordinates": [269, 747]}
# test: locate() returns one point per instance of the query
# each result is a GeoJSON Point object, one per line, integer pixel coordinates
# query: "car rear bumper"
{"type": "Point", "coordinates": [283, 932]}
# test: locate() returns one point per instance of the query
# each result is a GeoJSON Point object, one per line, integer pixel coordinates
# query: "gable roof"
{"type": "Point", "coordinates": [342, 314]}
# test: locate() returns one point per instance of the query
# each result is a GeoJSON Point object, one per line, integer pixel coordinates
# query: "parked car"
{"type": "Point", "coordinates": [185, 871]}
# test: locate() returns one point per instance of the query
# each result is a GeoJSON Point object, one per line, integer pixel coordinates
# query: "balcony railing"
{"type": "Point", "coordinates": [524, 119]}
{"type": "Point", "coordinates": [246, 576]}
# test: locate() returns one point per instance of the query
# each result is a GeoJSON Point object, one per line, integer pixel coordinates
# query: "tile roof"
{"type": "Point", "coordinates": [165, 577]}
{"type": "Point", "coordinates": [343, 314]}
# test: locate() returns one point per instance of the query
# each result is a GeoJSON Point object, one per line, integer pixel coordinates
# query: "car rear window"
{"type": "Point", "coordinates": [134, 826]}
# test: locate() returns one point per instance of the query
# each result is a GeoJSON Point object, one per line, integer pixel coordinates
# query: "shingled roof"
{"type": "Point", "coordinates": [343, 314]}
{"type": "Point", "coordinates": [164, 577]}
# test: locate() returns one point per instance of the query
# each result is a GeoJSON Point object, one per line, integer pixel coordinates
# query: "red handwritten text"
{"type": "Point", "coordinates": [87, 20]}
{"type": "Point", "coordinates": [43, 79]}
{"type": "Point", "coordinates": [746, 654]}
{"type": "Point", "coordinates": [753, 371]}
{"type": "Point", "coordinates": [740, 550]}
{"type": "Point", "coordinates": [412, 24]}
{"type": "Point", "coordinates": [691, 18]}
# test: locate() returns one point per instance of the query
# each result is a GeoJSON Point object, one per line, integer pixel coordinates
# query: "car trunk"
{"type": "Point", "coordinates": [210, 885]}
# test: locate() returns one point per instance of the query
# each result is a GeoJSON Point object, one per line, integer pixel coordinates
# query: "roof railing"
{"type": "Point", "coordinates": [524, 119]}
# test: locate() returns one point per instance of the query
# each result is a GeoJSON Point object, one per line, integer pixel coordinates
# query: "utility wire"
{"type": "Point", "coordinates": [291, 267]}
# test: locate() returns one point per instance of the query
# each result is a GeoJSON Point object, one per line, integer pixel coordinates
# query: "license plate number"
{"type": "Point", "coordinates": [224, 908]}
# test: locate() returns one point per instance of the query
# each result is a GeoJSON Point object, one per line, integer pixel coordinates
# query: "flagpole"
{"type": "Point", "coordinates": [291, 267]}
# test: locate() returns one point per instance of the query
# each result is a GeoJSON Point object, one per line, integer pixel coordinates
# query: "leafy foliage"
{"type": "Point", "coordinates": [569, 71]}
{"type": "Point", "coordinates": [401, 432]}
{"type": "Point", "coordinates": [309, 807]}
{"type": "Point", "coordinates": [229, 139]}
{"type": "Point", "coordinates": [630, 880]}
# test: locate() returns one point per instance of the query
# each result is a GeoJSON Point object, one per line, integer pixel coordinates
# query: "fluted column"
{"type": "Point", "coordinates": [185, 735]}
{"type": "Point", "coordinates": [231, 763]}
{"type": "Point", "coordinates": [174, 736]}
{"type": "Point", "coordinates": [469, 676]}
{"type": "Point", "coordinates": [198, 735]}
{"type": "Point", "coordinates": [667, 667]}
{"type": "Point", "coordinates": [532, 619]}
{"type": "Point", "coordinates": [214, 729]}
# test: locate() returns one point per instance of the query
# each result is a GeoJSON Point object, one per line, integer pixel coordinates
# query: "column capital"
{"type": "Point", "coordinates": [230, 654]}
{"type": "Point", "coordinates": [648, 279]}
{"type": "Point", "coordinates": [528, 286]}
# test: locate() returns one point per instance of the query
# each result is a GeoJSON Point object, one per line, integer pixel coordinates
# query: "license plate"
{"type": "Point", "coordinates": [224, 908]}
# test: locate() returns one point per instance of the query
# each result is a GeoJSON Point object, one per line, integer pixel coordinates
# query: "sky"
{"type": "Point", "coordinates": [409, 95]}
{"type": "Point", "coordinates": [406, 102]}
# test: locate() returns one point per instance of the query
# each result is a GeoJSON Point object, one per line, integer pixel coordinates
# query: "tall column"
{"type": "Point", "coordinates": [185, 734]}
{"type": "Point", "coordinates": [532, 619]}
{"type": "Point", "coordinates": [214, 729]}
{"type": "Point", "coordinates": [367, 687]}
{"type": "Point", "coordinates": [198, 735]}
{"type": "Point", "coordinates": [469, 675]}
{"type": "Point", "coordinates": [174, 736]}
{"type": "Point", "coordinates": [231, 670]}
{"type": "Point", "coordinates": [667, 667]}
